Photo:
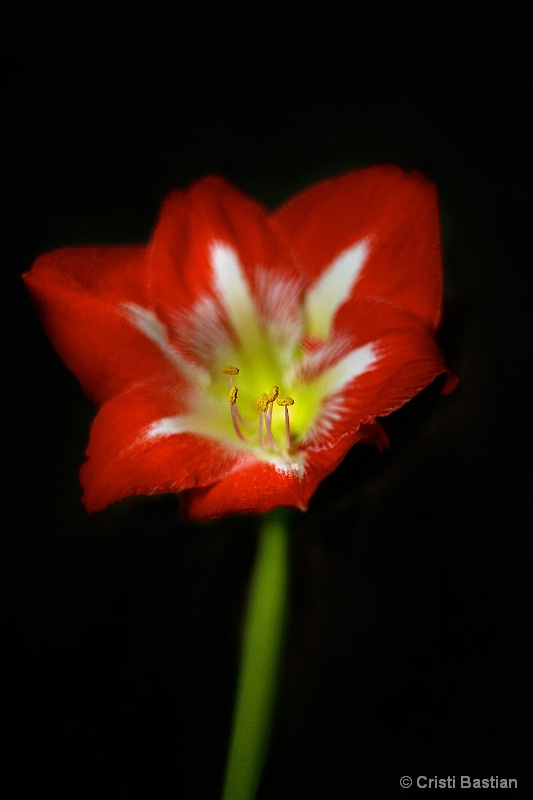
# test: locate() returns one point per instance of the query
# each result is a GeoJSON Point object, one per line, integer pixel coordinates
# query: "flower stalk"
{"type": "Point", "coordinates": [262, 646]}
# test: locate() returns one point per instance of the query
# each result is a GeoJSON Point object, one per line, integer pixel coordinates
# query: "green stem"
{"type": "Point", "coordinates": [260, 660]}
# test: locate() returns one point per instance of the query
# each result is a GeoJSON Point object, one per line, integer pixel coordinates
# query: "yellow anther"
{"type": "Point", "coordinates": [233, 395]}
{"type": "Point", "coordinates": [229, 370]}
{"type": "Point", "coordinates": [285, 401]}
{"type": "Point", "coordinates": [273, 393]}
{"type": "Point", "coordinates": [262, 402]}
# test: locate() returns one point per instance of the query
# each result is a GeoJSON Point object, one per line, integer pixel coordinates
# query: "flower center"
{"type": "Point", "coordinates": [263, 434]}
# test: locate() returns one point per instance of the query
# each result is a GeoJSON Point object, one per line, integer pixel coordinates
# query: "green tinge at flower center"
{"type": "Point", "coordinates": [259, 370]}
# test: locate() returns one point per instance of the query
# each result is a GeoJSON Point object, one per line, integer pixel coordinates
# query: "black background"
{"type": "Point", "coordinates": [409, 648]}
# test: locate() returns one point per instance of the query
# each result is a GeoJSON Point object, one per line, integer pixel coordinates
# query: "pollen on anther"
{"type": "Point", "coordinates": [233, 395]}
{"type": "Point", "coordinates": [285, 401]}
{"type": "Point", "coordinates": [273, 393]}
{"type": "Point", "coordinates": [229, 370]}
{"type": "Point", "coordinates": [262, 402]}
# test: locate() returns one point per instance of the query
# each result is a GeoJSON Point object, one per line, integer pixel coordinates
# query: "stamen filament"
{"type": "Point", "coordinates": [286, 401]}
{"type": "Point", "coordinates": [262, 407]}
{"type": "Point", "coordinates": [235, 413]}
{"type": "Point", "coordinates": [287, 429]}
{"type": "Point", "coordinates": [268, 424]}
{"type": "Point", "coordinates": [235, 421]}
{"type": "Point", "coordinates": [241, 418]}
{"type": "Point", "coordinates": [272, 395]}
{"type": "Point", "coordinates": [261, 439]}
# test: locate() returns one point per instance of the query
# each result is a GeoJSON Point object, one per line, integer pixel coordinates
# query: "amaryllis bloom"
{"type": "Point", "coordinates": [239, 355]}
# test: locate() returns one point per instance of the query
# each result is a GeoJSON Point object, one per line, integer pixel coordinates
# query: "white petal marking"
{"type": "Point", "coordinates": [315, 363]}
{"type": "Point", "coordinates": [201, 331]}
{"type": "Point", "coordinates": [331, 384]}
{"type": "Point", "coordinates": [167, 426]}
{"type": "Point", "coordinates": [333, 288]}
{"type": "Point", "coordinates": [279, 301]}
{"type": "Point", "coordinates": [349, 367]}
{"type": "Point", "coordinates": [148, 323]}
{"type": "Point", "coordinates": [233, 291]}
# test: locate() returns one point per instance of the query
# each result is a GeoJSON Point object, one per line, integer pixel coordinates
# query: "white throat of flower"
{"type": "Point", "coordinates": [286, 399]}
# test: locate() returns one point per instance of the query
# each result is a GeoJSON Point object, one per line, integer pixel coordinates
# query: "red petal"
{"type": "Point", "coordinates": [371, 432]}
{"type": "Point", "coordinates": [78, 292]}
{"type": "Point", "coordinates": [122, 463]}
{"type": "Point", "coordinates": [258, 487]}
{"type": "Point", "coordinates": [253, 490]}
{"type": "Point", "coordinates": [398, 210]}
{"type": "Point", "coordinates": [191, 220]}
{"type": "Point", "coordinates": [408, 360]}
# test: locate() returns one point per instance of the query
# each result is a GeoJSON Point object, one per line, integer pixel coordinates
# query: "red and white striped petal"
{"type": "Point", "coordinates": [141, 444]}
{"type": "Point", "coordinates": [209, 255]}
{"type": "Point", "coordinates": [82, 295]}
{"type": "Point", "coordinates": [383, 223]}
{"type": "Point", "coordinates": [397, 357]}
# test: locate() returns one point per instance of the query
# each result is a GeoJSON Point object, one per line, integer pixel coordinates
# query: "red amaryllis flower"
{"type": "Point", "coordinates": [239, 355]}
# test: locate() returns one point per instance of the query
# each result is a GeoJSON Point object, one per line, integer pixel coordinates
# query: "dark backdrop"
{"type": "Point", "coordinates": [410, 630]}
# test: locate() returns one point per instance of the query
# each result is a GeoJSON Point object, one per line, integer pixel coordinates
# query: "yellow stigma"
{"type": "Point", "coordinates": [285, 401]}
{"type": "Point", "coordinates": [262, 402]}
{"type": "Point", "coordinates": [273, 393]}
{"type": "Point", "coordinates": [229, 370]}
{"type": "Point", "coordinates": [233, 395]}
